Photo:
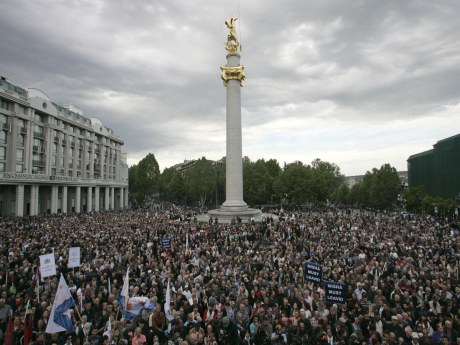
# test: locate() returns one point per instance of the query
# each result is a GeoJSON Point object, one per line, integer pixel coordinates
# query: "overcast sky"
{"type": "Point", "coordinates": [358, 83]}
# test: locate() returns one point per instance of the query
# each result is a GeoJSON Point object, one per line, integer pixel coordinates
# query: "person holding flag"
{"type": "Point", "coordinates": [132, 307]}
{"type": "Point", "coordinates": [60, 318]}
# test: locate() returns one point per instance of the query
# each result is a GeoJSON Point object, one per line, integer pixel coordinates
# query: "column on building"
{"type": "Point", "coordinates": [112, 198]}
{"type": "Point", "coordinates": [19, 206]}
{"type": "Point", "coordinates": [89, 199]}
{"type": "Point", "coordinates": [96, 199]}
{"type": "Point", "coordinates": [34, 200]}
{"type": "Point", "coordinates": [107, 196]}
{"type": "Point", "coordinates": [77, 199]}
{"type": "Point", "coordinates": [125, 202]}
{"type": "Point", "coordinates": [54, 199]}
{"type": "Point", "coordinates": [64, 199]}
{"type": "Point", "coordinates": [122, 201]}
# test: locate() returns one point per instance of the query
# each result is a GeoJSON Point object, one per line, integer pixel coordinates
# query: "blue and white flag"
{"type": "Point", "coordinates": [132, 307]}
{"type": "Point", "coordinates": [60, 318]}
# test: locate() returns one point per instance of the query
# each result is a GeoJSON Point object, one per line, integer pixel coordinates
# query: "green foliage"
{"type": "Point", "coordinates": [325, 180]}
{"type": "Point", "coordinates": [201, 180]}
{"type": "Point", "coordinates": [414, 199]}
{"type": "Point", "coordinates": [438, 206]}
{"type": "Point", "coordinates": [385, 187]}
{"type": "Point", "coordinates": [258, 180]}
{"type": "Point", "coordinates": [144, 178]}
{"type": "Point", "coordinates": [294, 184]}
{"type": "Point", "coordinates": [172, 185]}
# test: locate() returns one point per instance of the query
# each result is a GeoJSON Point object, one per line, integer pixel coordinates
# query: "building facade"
{"type": "Point", "coordinates": [437, 170]}
{"type": "Point", "coordinates": [53, 159]}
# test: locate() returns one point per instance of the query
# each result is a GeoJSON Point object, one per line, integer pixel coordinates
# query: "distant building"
{"type": "Point", "coordinates": [53, 159]}
{"type": "Point", "coordinates": [350, 181]}
{"type": "Point", "coordinates": [437, 170]}
{"type": "Point", "coordinates": [187, 164]}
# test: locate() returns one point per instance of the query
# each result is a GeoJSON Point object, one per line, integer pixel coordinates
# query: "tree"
{"type": "Point", "coordinates": [172, 185]}
{"type": "Point", "coordinates": [201, 180]}
{"type": "Point", "coordinates": [414, 199]}
{"type": "Point", "coordinates": [144, 178]}
{"type": "Point", "coordinates": [294, 183]}
{"type": "Point", "coordinates": [326, 178]}
{"type": "Point", "coordinates": [385, 187]}
{"type": "Point", "coordinates": [257, 182]}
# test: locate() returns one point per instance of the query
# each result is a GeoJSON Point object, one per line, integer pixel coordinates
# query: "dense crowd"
{"type": "Point", "coordinates": [236, 283]}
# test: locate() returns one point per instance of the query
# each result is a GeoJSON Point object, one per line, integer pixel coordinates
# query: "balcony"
{"type": "Point", "coordinates": [23, 130]}
{"type": "Point", "coordinates": [72, 144]}
{"type": "Point", "coordinates": [35, 148]}
{"type": "Point", "coordinates": [56, 139]}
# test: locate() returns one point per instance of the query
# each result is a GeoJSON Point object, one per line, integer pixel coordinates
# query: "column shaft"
{"type": "Point", "coordinates": [19, 205]}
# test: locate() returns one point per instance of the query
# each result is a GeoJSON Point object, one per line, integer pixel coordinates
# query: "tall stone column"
{"type": "Point", "coordinates": [77, 199]}
{"type": "Point", "coordinates": [125, 200]}
{"type": "Point", "coordinates": [19, 204]}
{"type": "Point", "coordinates": [34, 200]}
{"type": "Point", "coordinates": [233, 77]}
{"type": "Point", "coordinates": [64, 199]}
{"type": "Point", "coordinates": [112, 198]}
{"type": "Point", "coordinates": [106, 198]}
{"type": "Point", "coordinates": [54, 199]}
{"type": "Point", "coordinates": [122, 200]}
{"type": "Point", "coordinates": [89, 199]}
{"type": "Point", "coordinates": [96, 199]}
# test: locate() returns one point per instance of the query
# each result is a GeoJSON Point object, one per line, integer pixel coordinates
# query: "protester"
{"type": "Point", "coordinates": [236, 283]}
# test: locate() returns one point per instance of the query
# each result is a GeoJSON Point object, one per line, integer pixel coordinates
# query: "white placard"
{"type": "Point", "coordinates": [47, 265]}
{"type": "Point", "coordinates": [74, 257]}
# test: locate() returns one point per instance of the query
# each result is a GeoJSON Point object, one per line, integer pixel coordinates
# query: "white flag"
{"type": "Point", "coordinates": [168, 311]}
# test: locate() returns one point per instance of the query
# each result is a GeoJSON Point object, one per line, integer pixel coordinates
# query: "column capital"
{"type": "Point", "coordinates": [233, 73]}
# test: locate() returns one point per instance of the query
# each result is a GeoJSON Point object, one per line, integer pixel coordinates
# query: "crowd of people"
{"type": "Point", "coordinates": [238, 283]}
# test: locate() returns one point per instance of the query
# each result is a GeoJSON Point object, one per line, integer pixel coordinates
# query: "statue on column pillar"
{"type": "Point", "coordinates": [232, 37]}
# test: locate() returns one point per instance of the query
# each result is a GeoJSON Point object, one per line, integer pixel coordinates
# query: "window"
{"type": "Point", "coordinates": [4, 104]}
{"type": "Point", "coordinates": [20, 155]}
{"type": "Point", "coordinates": [53, 160]}
{"type": "Point", "coordinates": [70, 173]}
{"type": "Point", "coordinates": [3, 137]}
{"type": "Point", "coordinates": [2, 153]}
{"type": "Point", "coordinates": [19, 168]}
{"type": "Point", "coordinates": [38, 117]}
{"type": "Point", "coordinates": [3, 118]}
{"type": "Point", "coordinates": [62, 149]}
{"type": "Point", "coordinates": [53, 171]}
{"type": "Point", "coordinates": [39, 130]}
{"type": "Point", "coordinates": [21, 124]}
{"type": "Point", "coordinates": [21, 140]}
{"type": "Point", "coordinates": [62, 161]}
{"type": "Point", "coordinates": [54, 148]}
{"type": "Point", "coordinates": [2, 167]}
{"type": "Point", "coordinates": [22, 110]}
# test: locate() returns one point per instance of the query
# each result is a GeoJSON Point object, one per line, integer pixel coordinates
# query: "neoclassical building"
{"type": "Point", "coordinates": [53, 159]}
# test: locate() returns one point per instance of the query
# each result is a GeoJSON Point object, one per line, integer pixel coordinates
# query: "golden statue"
{"type": "Point", "coordinates": [232, 37]}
